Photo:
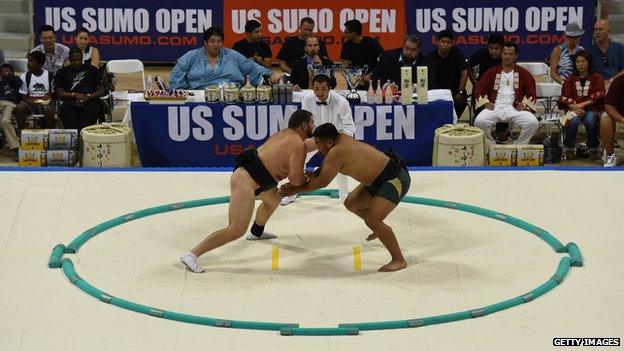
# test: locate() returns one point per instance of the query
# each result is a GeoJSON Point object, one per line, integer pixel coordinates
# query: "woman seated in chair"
{"type": "Point", "coordinates": [90, 54]}
{"type": "Point", "coordinates": [581, 102]}
{"type": "Point", "coordinates": [79, 88]}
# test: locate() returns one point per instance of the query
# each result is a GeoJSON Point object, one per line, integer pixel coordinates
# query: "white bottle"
{"type": "Point", "coordinates": [388, 98]}
{"type": "Point", "coordinates": [422, 87]}
{"type": "Point", "coordinates": [371, 98]}
{"type": "Point", "coordinates": [379, 93]}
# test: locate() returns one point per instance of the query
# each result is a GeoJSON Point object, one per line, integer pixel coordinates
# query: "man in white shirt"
{"type": "Point", "coordinates": [327, 106]}
{"type": "Point", "coordinates": [56, 54]}
{"type": "Point", "coordinates": [506, 93]}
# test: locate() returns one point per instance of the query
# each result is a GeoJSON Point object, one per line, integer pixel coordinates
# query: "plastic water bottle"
{"type": "Point", "coordinates": [289, 93]}
{"type": "Point", "coordinates": [276, 93]}
{"type": "Point", "coordinates": [282, 92]}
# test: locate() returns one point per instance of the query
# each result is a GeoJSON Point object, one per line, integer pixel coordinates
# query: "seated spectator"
{"type": "Point", "coordinates": [213, 64]}
{"type": "Point", "coordinates": [391, 61]}
{"type": "Point", "coordinates": [36, 92]}
{"type": "Point", "coordinates": [79, 88]}
{"type": "Point", "coordinates": [608, 55]}
{"type": "Point", "coordinates": [507, 93]}
{"type": "Point", "coordinates": [294, 47]}
{"type": "Point", "coordinates": [90, 54]}
{"type": "Point", "coordinates": [253, 46]}
{"type": "Point", "coordinates": [9, 98]}
{"type": "Point", "coordinates": [451, 70]}
{"type": "Point", "coordinates": [359, 50]}
{"type": "Point", "coordinates": [55, 54]}
{"type": "Point", "coordinates": [614, 105]}
{"type": "Point", "coordinates": [303, 71]}
{"type": "Point", "coordinates": [581, 102]}
{"type": "Point", "coordinates": [485, 58]}
{"type": "Point", "coordinates": [561, 65]}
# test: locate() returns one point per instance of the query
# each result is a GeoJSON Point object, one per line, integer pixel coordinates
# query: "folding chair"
{"type": "Point", "coordinates": [547, 94]}
{"type": "Point", "coordinates": [20, 65]}
{"type": "Point", "coordinates": [537, 69]}
{"type": "Point", "coordinates": [128, 66]}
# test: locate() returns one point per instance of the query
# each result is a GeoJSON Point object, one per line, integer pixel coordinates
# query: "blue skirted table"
{"type": "Point", "coordinates": [196, 134]}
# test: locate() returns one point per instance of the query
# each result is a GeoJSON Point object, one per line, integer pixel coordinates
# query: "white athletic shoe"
{"type": "Point", "coordinates": [611, 161]}
{"type": "Point", "coordinates": [264, 236]}
{"type": "Point", "coordinates": [288, 199]}
{"type": "Point", "coordinates": [190, 261]}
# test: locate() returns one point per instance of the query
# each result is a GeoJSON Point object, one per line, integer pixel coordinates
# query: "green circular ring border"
{"type": "Point", "coordinates": [573, 258]}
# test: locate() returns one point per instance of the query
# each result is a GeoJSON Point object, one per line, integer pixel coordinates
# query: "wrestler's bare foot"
{"type": "Point", "coordinates": [372, 236]}
{"type": "Point", "coordinates": [394, 265]}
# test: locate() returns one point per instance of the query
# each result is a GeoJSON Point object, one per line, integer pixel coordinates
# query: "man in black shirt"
{"type": "Point", "coordinates": [79, 87]}
{"type": "Point", "coordinates": [359, 50]}
{"type": "Point", "coordinates": [486, 58]}
{"type": "Point", "coordinates": [391, 61]}
{"type": "Point", "coordinates": [294, 47]}
{"type": "Point", "coordinates": [303, 69]}
{"type": "Point", "coordinates": [450, 69]}
{"type": "Point", "coordinates": [253, 46]}
{"type": "Point", "coordinates": [9, 98]}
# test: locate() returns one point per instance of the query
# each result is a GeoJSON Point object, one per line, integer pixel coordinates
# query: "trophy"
{"type": "Point", "coordinates": [353, 76]}
{"type": "Point", "coordinates": [316, 69]}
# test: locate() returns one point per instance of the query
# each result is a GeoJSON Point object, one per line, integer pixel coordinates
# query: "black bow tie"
{"type": "Point", "coordinates": [321, 103]}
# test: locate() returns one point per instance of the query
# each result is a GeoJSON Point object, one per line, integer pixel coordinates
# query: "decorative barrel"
{"type": "Point", "coordinates": [107, 145]}
{"type": "Point", "coordinates": [459, 146]}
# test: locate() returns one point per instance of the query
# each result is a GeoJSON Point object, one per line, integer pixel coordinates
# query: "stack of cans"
{"type": "Point", "coordinates": [48, 147]}
{"type": "Point", "coordinates": [63, 147]}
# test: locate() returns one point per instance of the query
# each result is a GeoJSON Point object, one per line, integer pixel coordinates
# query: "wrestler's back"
{"type": "Point", "coordinates": [359, 160]}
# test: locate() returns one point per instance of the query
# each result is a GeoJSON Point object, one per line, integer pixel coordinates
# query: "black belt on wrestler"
{"type": "Point", "coordinates": [249, 160]}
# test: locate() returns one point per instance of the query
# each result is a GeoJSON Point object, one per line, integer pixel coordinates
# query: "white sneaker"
{"type": "Point", "coordinates": [611, 161]}
{"type": "Point", "coordinates": [288, 199]}
{"type": "Point", "coordinates": [190, 261]}
{"type": "Point", "coordinates": [264, 236]}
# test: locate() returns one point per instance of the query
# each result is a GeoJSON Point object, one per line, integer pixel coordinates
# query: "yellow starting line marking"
{"type": "Point", "coordinates": [357, 259]}
{"type": "Point", "coordinates": [275, 258]}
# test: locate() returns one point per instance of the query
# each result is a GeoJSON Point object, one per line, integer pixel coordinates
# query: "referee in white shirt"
{"type": "Point", "coordinates": [327, 106]}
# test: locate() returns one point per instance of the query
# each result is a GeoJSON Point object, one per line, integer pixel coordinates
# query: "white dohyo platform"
{"type": "Point", "coordinates": [60, 258]}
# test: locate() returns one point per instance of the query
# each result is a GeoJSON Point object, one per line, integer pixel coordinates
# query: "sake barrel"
{"type": "Point", "coordinates": [458, 145]}
{"type": "Point", "coordinates": [107, 145]}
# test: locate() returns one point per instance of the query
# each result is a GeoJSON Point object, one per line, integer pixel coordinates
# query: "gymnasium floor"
{"type": "Point", "coordinates": [457, 261]}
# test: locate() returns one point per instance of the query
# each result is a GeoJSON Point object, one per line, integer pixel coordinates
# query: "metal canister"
{"type": "Point", "coordinates": [263, 94]}
{"type": "Point", "coordinates": [248, 93]}
{"type": "Point", "coordinates": [213, 93]}
{"type": "Point", "coordinates": [231, 94]}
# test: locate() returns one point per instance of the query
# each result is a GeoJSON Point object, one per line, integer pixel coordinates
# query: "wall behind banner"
{"type": "Point", "coordinates": [280, 18]}
{"type": "Point", "coordinates": [537, 25]}
{"type": "Point", "coordinates": [154, 31]}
